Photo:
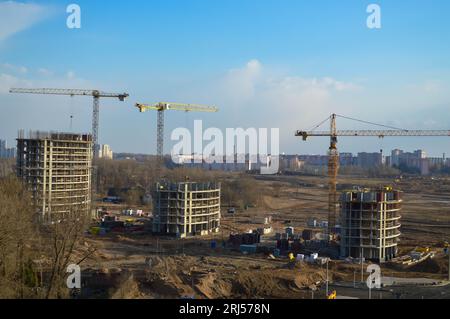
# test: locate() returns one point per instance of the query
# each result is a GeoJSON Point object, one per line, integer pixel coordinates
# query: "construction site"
{"type": "Point", "coordinates": [228, 234]}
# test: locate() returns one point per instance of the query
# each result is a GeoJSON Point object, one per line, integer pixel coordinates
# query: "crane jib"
{"type": "Point", "coordinates": [376, 133]}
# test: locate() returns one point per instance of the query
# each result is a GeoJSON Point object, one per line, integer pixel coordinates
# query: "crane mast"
{"type": "Point", "coordinates": [333, 168]}
{"type": "Point", "coordinates": [161, 107]}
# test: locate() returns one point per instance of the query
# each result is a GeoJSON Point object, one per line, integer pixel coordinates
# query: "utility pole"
{"type": "Point", "coordinates": [362, 265]}
{"type": "Point", "coordinates": [448, 253]}
{"type": "Point", "coordinates": [354, 278]}
{"type": "Point", "coordinates": [327, 279]}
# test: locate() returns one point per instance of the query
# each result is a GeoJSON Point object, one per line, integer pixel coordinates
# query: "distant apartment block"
{"type": "Point", "coordinates": [57, 169]}
{"type": "Point", "coordinates": [417, 159]}
{"type": "Point", "coordinates": [237, 163]}
{"type": "Point", "coordinates": [370, 160]}
{"type": "Point", "coordinates": [186, 209]}
{"type": "Point", "coordinates": [105, 152]}
{"type": "Point", "coordinates": [345, 159]}
{"type": "Point", "coordinates": [291, 163]}
{"type": "Point", "coordinates": [6, 152]}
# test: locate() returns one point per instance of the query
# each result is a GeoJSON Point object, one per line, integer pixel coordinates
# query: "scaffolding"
{"type": "Point", "coordinates": [186, 209]}
{"type": "Point", "coordinates": [370, 224]}
{"type": "Point", "coordinates": [57, 169]}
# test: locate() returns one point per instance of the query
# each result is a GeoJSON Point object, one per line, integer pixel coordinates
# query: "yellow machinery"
{"type": "Point", "coordinates": [423, 250]}
{"type": "Point", "coordinates": [166, 106]}
{"type": "Point", "coordinates": [332, 296]}
{"type": "Point", "coordinates": [291, 257]}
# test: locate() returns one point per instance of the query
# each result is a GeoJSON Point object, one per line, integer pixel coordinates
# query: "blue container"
{"type": "Point", "coordinates": [276, 253]}
{"type": "Point", "coordinates": [249, 249]}
{"type": "Point", "coordinates": [213, 245]}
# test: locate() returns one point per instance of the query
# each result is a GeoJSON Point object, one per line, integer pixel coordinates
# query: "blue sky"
{"type": "Point", "coordinates": [285, 64]}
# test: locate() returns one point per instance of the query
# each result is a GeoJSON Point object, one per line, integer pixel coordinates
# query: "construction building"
{"type": "Point", "coordinates": [57, 169]}
{"type": "Point", "coordinates": [186, 209]}
{"type": "Point", "coordinates": [370, 224]}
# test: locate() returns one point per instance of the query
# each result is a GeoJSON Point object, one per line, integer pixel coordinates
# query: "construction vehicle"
{"type": "Point", "coordinates": [291, 257]}
{"type": "Point", "coordinates": [166, 106]}
{"type": "Point", "coordinates": [333, 160]}
{"type": "Point", "coordinates": [332, 296]}
{"type": "Point", "coordinates": [96, 94]}
{"type": "Point", "coordinates": [423, 250]}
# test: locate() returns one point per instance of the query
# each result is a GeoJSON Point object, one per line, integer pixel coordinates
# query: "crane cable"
{"type": "Point", "coordinates": [320, 124]}
{"type": "Point", "coordinates": [71, 115]}
{"type": "Point", "coordinates": [357, 120]}
{"type": "Point", "coordinates": [371, 123]}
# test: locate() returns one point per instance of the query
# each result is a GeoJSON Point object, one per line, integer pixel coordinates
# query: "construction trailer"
{"type": "Point", "coordinates": [370, 224]}
{"type": "Point", "coordinates": [57, 169]}
{"type": "Point", "coordinates": [186, 209]}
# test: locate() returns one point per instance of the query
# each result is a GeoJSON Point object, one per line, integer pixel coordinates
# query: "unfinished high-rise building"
{"type": "Point", "coordinates": [370, 223]}
{"type": "Point", "coordinates": [186, 209]}
{"type": "Point", "coordinates": [57, 169]}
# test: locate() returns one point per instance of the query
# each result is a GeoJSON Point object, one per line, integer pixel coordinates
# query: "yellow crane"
{"type": "Point", "coordinates": [333, 154]}
{"type": "Point", "coordinates": [161, 107]}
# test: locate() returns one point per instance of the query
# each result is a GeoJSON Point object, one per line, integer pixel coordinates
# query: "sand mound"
{"type": "Point", "coordinates": [434, 265]}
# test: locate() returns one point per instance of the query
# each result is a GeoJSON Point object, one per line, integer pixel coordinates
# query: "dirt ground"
{"type": "Point", "coordinates": [143, 266]}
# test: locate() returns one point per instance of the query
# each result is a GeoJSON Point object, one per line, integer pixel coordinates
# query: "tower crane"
{"type": "Point", "coordinates": [161, 107]}
{"type": "Point", "coordinates": [96, 94]}
{"type": "Point", "coordinates": [333, 154]}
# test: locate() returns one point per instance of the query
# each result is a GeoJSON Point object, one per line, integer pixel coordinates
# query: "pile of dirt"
{"type": "Point", "coordinates": [212, 278]}
{"type": "Point", "coordinates": [437, 265]}
{"type": "Point", "coordinates": [211, 287]}
{"type": "Point", "coordinates": [127, 289]}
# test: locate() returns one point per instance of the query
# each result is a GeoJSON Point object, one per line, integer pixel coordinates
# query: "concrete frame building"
{"type": "Point", "coordinates": [186, 209]}
{"type": "Point", "coordinates": [370, 224]}
{"type": "Point", "coordinates": [57, 167]}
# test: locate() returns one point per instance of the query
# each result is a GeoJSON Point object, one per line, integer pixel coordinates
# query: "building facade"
{"type": "Point", "coordinates": [57, 168]}
{"type": "Point", "coordinates": [370, 160]}
{"type": "Point", "coordinates": [370, 224]}
{"type": "Point", "coordinates": [186, 209]}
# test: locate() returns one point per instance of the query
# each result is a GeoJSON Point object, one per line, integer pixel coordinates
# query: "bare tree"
{"type": "Point", "coordinates": [63, 238]}
{"type": "Point", "coordinates": [17, 236]}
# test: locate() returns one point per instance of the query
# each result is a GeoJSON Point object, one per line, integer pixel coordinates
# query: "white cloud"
{"type": "Point", "coordinates": [46, 78]}
{"type": "Point", "coordinates": [44, 72]}
{"type": "Point", "coordinates": [17, 16]}
{"type": "Point", "coordinates": [8, 81]}
{"type": "Point", "coordinates": [257, 90]}
{"type": "Point", "coordinates": [14, 68]}
{"type": "Point", "coordinates": [70, 75]}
